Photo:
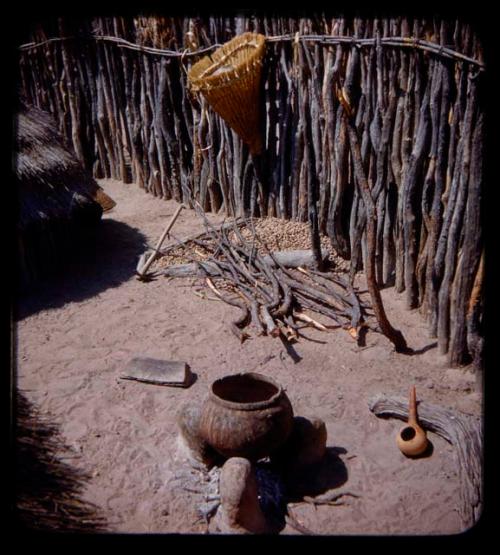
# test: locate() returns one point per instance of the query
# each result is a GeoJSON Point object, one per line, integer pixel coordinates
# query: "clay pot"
{"type": "Point", "coordinates": [412, 439]}
{"type": "Point", "coordinates": [246, 415]}
{"type": "Point", "coordinates": [188, 420]}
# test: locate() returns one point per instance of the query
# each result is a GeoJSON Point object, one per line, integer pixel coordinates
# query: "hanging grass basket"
{"type": "Point", "coordinates": [230, 81]}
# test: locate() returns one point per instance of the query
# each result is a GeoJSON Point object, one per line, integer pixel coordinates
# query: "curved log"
{"type": "Point", "coordinates": [463, 431]}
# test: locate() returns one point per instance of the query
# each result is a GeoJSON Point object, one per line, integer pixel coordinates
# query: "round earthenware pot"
{"type": "Point", "coordinates": [246, 415]}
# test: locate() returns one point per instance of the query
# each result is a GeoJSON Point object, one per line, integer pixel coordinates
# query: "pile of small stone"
{"type": "Point", "coordinates": [177, 255]}
{"type": "Point", "coordinates": [281, 235]}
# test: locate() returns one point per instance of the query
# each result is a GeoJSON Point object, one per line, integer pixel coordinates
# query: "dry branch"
{"type": "Point", "coordinates": [143, 269]}
{"type": "Point", "coordinates": [394, 335]}
{"type": "Point", "coordinates": [309, 320]}
{"type": "Point", "coordinates": [270, 296]}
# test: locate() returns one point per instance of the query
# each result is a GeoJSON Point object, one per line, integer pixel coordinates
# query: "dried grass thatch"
{"type": "Point", "coordinates": [47, 489]}
{"type": "Point", "coordinates": [56, 195]}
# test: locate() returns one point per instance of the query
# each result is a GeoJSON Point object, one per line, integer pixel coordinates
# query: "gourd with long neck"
{"type": "Point", "coordinates": [412, 439]}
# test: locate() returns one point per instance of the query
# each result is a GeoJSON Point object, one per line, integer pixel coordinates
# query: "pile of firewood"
{"type": "Point", "coordinates": [279, 235]}
{"type": "Point", "coordinates": [272, 290]}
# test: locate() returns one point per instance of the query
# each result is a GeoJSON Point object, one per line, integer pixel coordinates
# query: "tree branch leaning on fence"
{"type": "Point", "coordinates": [394, 335]}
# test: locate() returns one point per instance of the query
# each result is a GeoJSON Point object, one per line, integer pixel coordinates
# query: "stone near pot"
{"type": "Point", "coordinates": [246, 415]}
{"type": "Point", "coordinates": [304, 449]}
{"type": "Point", "coordinates": [239, 511]}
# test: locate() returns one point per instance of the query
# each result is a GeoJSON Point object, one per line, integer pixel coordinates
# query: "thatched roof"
{"type": "Point", "coordinates": [51, 181]}
{"type": "Point", "coordinates": [48, 491]}
{"type": "Point", "coordinates": [56, 195]}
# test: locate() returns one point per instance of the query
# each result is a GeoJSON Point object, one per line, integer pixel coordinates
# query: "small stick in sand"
{"type": "Point", "coordinates": [309, 320]}
{"type": "Point", "coordinates": [292, 521]}
{"type": "Point", "coordinates": [330, 498]}
{"type": "Point", "coordinates": [204, 296]}
{"type": "Point", "coordinates": [142, 271]}
{"type": "Point", "coordinates": [213, 288]}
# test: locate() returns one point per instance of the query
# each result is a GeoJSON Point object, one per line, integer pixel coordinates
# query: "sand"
{"type": "Point", "coordinates": [75, 334]}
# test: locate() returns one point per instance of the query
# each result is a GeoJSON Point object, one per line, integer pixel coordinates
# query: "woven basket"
{"type": "Point", "coordinates": [230, 81]}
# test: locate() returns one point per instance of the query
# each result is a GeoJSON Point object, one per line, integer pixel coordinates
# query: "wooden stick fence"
{"type": "Point", "coordinates": [118, 89]}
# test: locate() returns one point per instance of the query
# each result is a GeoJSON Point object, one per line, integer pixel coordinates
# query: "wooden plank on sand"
{"type": "Point", "coordinates": [159, 372]}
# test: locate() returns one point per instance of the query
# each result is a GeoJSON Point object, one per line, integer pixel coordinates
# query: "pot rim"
{"type": "Point", "coordinates": [247, 406]}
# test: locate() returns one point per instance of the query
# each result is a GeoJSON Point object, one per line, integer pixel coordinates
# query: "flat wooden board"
{"type": "Point", "coordinates": [157, 371]}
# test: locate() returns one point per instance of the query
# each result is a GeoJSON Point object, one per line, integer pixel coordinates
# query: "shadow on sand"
{"type": "Point", "coordinates": [329, 474]}
{"type": "Point", "coordinates": [100, 259]}
{"type": "Point", "coordinates": [47, 490]}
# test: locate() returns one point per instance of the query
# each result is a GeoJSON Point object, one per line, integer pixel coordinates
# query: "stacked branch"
{"type": "Point", "coordinates": [271, 297]}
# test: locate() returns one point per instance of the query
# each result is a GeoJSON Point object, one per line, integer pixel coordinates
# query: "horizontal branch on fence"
{"type": "Point", "coordinates": [30, 45]}
{"type": "Point", "coordinates": [405, 42]}
{"type": "Point", "coordinates": [125, 44]}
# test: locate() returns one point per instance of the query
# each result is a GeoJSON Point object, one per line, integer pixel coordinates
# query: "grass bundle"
{"type": "Point", "coordinates": [56, 195]}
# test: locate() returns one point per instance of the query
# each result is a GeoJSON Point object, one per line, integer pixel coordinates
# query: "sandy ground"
{"type": "Point", "coordinates": [76, 333]}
